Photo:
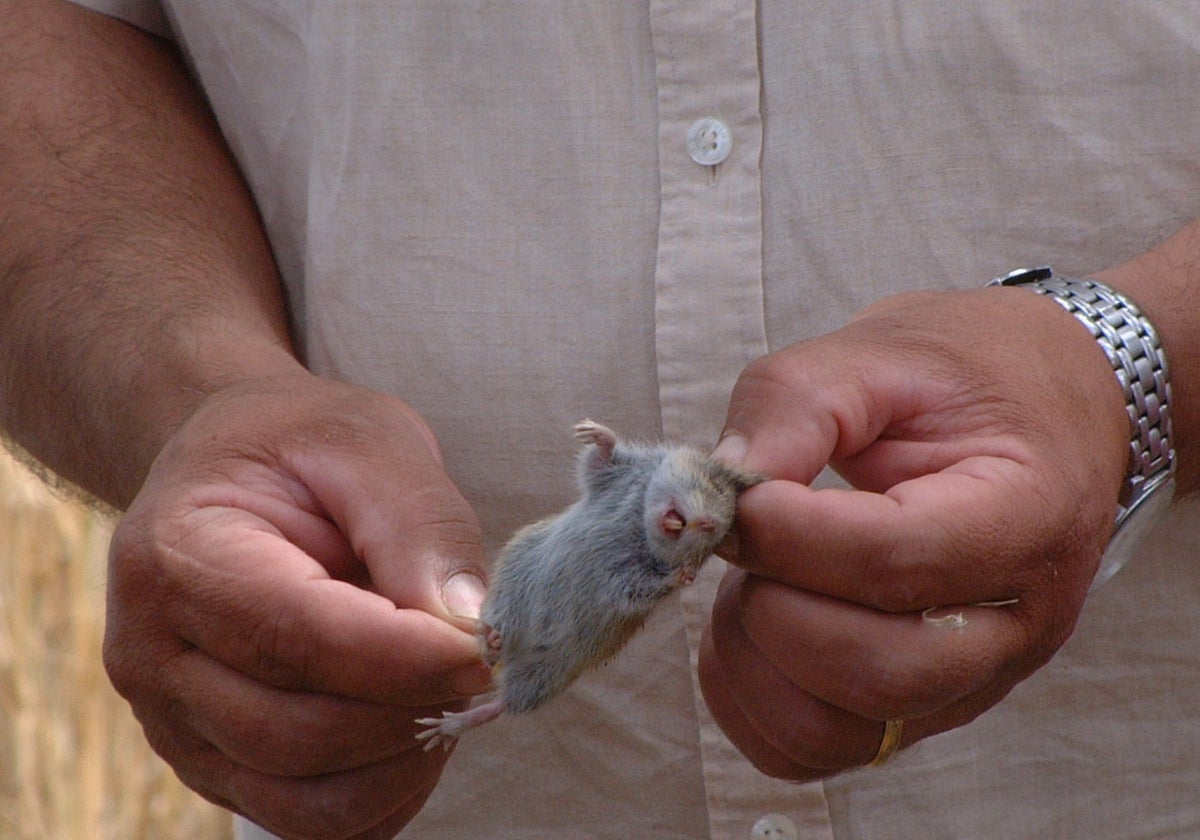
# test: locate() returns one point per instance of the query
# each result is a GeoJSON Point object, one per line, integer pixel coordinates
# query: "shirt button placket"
{"type": "Point", "coordinates": [708, 273]}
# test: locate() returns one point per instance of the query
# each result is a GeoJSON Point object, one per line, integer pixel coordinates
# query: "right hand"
{"type": "Point", "coordinates": [296, 583]}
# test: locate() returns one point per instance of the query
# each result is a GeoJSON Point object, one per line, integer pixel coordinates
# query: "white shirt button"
{"type": "Point", "coordinates": [774, 827]}
{"type": "Point", "coordinates": [709, 141]}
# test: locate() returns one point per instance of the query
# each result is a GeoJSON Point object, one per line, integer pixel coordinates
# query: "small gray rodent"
{"type": "Point", "coordinates": [569, 591]}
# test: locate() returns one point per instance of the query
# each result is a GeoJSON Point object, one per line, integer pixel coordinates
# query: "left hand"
{"type": "Point", "coordinates": [986, 437]}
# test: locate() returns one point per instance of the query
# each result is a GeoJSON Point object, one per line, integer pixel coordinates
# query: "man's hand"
{"type": "Point", "coordinates": [294, 585]}
{"type": "Point", "coordinates": [282, 599]}
{"type": "Point", "coordinates": [986, 439]}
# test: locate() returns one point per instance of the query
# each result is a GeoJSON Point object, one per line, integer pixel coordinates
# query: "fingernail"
{"type": "Point", "coordinates": [463, 595]}
{"type": "Point", "coordinates": [731, 449]}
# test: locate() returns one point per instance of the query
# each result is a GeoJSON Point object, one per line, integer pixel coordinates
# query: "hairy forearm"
{"type": "Point", "coordinates": [1165, 283]}
{"type": "Point", "coordinates": [134, 274]}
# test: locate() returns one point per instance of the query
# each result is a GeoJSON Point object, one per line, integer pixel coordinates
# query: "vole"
{"type": "Point", "coordinates": [569, 591]}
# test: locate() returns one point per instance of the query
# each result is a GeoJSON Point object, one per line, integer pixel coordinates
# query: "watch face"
{"type": "Point", "coordinates": [1134, 527]}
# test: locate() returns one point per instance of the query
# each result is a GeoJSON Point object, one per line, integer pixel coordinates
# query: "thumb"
{"type": "Point", "coordinates": [791, 412]}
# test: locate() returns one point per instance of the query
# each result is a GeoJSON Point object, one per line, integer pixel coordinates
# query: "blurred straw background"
{"type": "Point", "coordinates": [74, 764]}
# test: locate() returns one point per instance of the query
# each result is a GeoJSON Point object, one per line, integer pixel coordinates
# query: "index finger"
{"type": "Point", "coordinates": [235, 588]}
{"type": "Point", "coordinates": [979, 531]}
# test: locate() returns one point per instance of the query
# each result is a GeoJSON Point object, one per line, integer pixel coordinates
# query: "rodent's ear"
{"type": "Point", "coordinates": [740, 480]}
{"type": "Point", "coordinates": [745, 480]}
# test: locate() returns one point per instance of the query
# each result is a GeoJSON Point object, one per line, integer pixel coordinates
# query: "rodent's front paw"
{"type": "Point", "coordinates": [685, 577]}
{"type": "Point", "coordinates": [491, 641]}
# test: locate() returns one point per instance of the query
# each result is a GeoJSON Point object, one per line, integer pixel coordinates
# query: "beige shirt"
{"type": "Point", "coordinates": [490, 210]}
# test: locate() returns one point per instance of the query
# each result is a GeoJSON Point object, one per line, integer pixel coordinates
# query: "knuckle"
{"type": "Point", "coordinates": [132, 555]}
{"type": "Point", "coordinates": [135, 642]}
{"type": "Point", "coordinates": [124, 663]}
{"type": "Point", "coordinates": [767, 377]}
{"type": "Point", "coordinates": [1040, 630]}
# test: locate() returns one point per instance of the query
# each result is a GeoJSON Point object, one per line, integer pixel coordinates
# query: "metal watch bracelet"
{"type": "Point", "coordinates": [1133, 348]}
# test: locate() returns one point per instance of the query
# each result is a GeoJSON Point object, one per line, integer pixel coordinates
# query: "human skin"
{"type": "Point", "coordinates": [281, 607]}
{"type": "Point", "coordinates": [987, 440]}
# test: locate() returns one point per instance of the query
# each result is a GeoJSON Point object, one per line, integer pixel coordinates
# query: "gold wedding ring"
{"type": "Point", "coordinates": [892, 731]}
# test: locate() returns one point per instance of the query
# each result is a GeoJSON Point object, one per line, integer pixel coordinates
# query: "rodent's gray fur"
{"type": "Point", "coordinates": [568, 592]}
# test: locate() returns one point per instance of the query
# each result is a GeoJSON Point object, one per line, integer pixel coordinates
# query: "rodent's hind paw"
{"type": "Point", "coordinates": [602, 437]}
{"type": "Point", "coordinates": [451, 725]}
{"type": "Point", "coordinates": [433, 735]}
{"type": "Point", "coordinates": [443, 730]}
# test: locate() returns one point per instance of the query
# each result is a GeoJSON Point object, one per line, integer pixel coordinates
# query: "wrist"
{"type": "Point", "coordinates": [117, 410]}
{"type": "Point", "coordinates": [199, 368]}
{"type": "Point", "coordinates": [1169, 303]}
{"type": "Point", "coordinates": [1134, 351]}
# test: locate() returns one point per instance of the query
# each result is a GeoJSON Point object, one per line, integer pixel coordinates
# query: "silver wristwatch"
{"type": "Point", "coordinates": [1133, 348]}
